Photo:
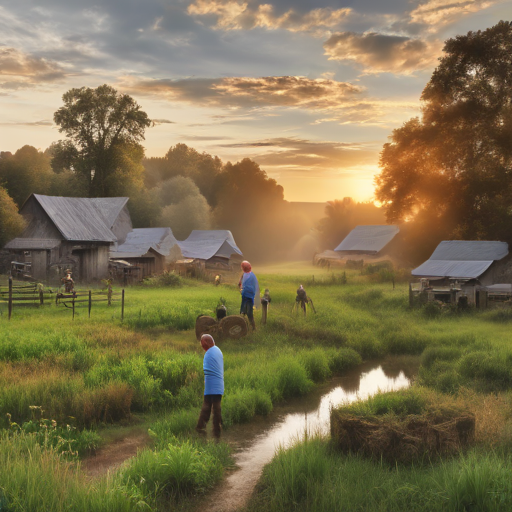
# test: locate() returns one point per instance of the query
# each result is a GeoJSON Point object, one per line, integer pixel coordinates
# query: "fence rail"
{"type": "Point", "coordinates": [34, 295]}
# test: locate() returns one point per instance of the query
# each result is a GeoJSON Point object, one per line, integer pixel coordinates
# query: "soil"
{"type": "Point", "coordinates": [112, 455]}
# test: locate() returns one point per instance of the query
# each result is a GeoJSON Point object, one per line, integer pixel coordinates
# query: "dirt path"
{"type": "Point", "coordinates": [112, 455]}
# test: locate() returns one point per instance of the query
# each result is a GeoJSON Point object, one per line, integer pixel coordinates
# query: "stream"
{"type": "Point", "coordinates": [255, 444]}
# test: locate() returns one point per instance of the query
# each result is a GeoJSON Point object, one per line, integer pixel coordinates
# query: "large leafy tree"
{"type": "Point", "coordinates": [104, 130]}
{"type": "Point", "coordinates": [451, 169]}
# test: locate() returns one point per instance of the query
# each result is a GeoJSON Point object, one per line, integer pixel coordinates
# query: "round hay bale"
{"type": "Point", "coordinates": [233, 326]}
{"type": "Point", "coordinates": [205, 325]}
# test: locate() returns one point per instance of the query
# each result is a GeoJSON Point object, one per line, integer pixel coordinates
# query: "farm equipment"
{"type": "Point", "coordinates": [223, 326]}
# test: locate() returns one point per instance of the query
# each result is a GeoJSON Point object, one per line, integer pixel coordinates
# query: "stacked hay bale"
{"type": "Point", "coordinates": [403, 437]}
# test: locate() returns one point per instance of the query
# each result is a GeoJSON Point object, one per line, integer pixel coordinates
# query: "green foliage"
{"type": "Point", "coordinates": [182, 468]}
{"type": "Point", "coordinates": [192, 212]}
{"type": "Point", "coordinates": [343, 359]}
{"type": "Point", "coordinates": [465, 106]}
{"type": "Point", "coordinates": [11, 222]}
{"type": "Point", "coordinates": [166, 278]}
{"type": "Point", "coordinates": [104, 130]}
{"type": "Point", "coordinates": [317, 366]}
{"type": "Point", "coordinates": [293, 379]}
{"type": "Point", "coordinates": [67, 441]}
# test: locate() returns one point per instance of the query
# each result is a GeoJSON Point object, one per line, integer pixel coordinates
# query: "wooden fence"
{"type": "Point", "coordinates": [35, 295]}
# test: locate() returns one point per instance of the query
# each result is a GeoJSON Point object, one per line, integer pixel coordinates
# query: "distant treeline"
{"type": "Point", "coordinates": [188, 190]}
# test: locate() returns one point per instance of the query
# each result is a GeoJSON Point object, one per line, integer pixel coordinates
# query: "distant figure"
{"type": "Point", "coordinates": [218, 279]}
{"type": "Point", "coordinates": [213, 367]}
{"type": "Point", "coordinates": [266, 296]}
{"type": "Point", "coordinates": [69, 284]}
{"type": "Point", "coordinates": [249, 288]}
{"type": "Point", "coordinates": [220, 312]}
{"type": "Point", "coordinates": [302, 300]}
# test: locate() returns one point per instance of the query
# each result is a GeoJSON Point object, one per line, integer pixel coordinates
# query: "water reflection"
{"type": "Point", "coordinates": [258, 441]}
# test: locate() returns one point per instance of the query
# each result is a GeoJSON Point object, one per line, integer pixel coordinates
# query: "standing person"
{"type": "Point", "coordinates": [249, 288]}
{"type": "Point", "coordinates": [213, 367]}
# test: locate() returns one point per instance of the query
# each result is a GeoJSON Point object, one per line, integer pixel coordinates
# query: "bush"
{"type": "Point", "coordinates": [316, 364]}
{"type": "Point", "coordinates": [292, 379]}
{"type": "Point", "coordinates": [343, 359]}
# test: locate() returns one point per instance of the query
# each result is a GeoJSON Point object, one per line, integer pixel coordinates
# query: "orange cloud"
{"type": "Point", "coordinates": [379, 53]}
{"type": "Point", "coordinates": [237, 15]}
{"type": "Point", "coordinates": [19, 70]}
{"type": "Point", "coordinates": [437, 13]}
{"type": "Point", "coordinates": [244, 97]}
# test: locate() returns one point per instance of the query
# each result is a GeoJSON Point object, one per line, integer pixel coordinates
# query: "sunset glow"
{"type": "Point", "coordinates": [310, 90]}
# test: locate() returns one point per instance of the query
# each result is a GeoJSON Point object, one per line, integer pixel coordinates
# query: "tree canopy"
{"type": "Point", "coordinates": [104, 130]}
{"type": "Point", "coordinates": [452, 167]}
{"type": "Point", "coordinates": [11, 222]}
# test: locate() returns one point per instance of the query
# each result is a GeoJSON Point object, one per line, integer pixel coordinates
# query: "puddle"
{"type": "Point", "coordinates": [256, 443]}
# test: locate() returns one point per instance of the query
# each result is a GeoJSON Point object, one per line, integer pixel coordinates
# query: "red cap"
{"type": "Point", "coordinates": [207, 341]}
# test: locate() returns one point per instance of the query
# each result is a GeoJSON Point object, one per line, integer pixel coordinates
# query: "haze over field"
{"type": "Point", "coordinates": [310, 89]}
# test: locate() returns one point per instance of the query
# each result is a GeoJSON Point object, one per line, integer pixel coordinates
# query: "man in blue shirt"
{"type": "Point", "coordinates": [249, 288]}
{"type": "Point", "coordinates": [213, 367]}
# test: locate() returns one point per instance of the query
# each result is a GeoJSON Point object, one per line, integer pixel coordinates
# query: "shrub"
{"type": "Point", "coordinates": [316, 364]}
{"type": "Point", "coordinates": [292, 379]}
{"type": "Point", "coordinates": [343, 359]}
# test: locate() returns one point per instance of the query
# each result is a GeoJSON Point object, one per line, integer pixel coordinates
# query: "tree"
{"type": "Point", "coordinates": [176, 189]}
{"type": "Point", "coordinates": [343, 216]}
{"type": "Point", "coordinates": [27, 171]}
{"type": "Point", "coordinates": [190, 213]}
{"type": "Point", "coordinates": [11, 222]}
{"type": "Point", "coordinates": [104, 130]}
{"type": "Point", "coordinates": [202, 168]}
{"type": "Point", "coordinates": [452, 167]}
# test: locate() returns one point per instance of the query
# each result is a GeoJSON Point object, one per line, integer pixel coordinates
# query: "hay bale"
{"type": "Point", "coordinates": [233, 326]}
{"type": "Point", "coordinates": [403, 439]}
{"type": "Point", "coordinates": [205, 325]}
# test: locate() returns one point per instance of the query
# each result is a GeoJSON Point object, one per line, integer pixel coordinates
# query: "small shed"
{"type": "Point", "coordinates": [217, 248]}
{"type": "Point", "coordinates": [469, 263]}
{"type": "Point", "coordinates": [70, 229]}
{"type": "Point", "coordinates": [152, 250]}
{"type": "Point", "coordinates": [367, 240]}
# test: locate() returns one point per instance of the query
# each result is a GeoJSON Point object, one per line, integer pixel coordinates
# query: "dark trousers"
{"type": "Point", "coordinates": [247, 308]}
{"type": "Point", "coordinates": [211, 402]}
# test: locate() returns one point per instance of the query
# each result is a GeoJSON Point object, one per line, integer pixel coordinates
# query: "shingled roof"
{"type": "Point", "coordinates": [204, 244]}
{"type": "Point", "coordinates": [83, 219]}
{"type": "Point", "coordinates": [461, 259]}
{"type": "Point", "coordinates": [140, 240]}
{"type": "Point", "coordinates": [368, 239]}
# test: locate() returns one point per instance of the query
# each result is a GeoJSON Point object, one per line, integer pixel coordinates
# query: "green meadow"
{"type": "Point", "coordinates": [67, 385]}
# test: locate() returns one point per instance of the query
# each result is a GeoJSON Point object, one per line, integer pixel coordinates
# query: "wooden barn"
{"type": "Point", "coordinates": [151, 250]}
{"type": "Point", "coordinates": [70, 233]}
{"type": "Point", "coordinates": [215, 249]}
{"type": "Point", "coordinates": [362, 243]}
{"type": "Point", "coordinates": [461, 268]}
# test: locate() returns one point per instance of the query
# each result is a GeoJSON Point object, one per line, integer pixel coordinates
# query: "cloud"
{"type": "Point", "coordinates": [19, 70]}
{"type": "Point", "coordinates": [30, 123]}
{"type": "Point", "coordinates": [438, 13]}
{"type": "Point", "coordinates": [238, 15]}
{"type": "Point", "coordinates": [204, 137]}
{"type": "Point", "coordinates": [379, 53]}
{"type": "Point", "coordinates": [297, 155]}
{"type": "Point", "coordinates": [238, 92]}
{"type": "Point", "coordinates": [162, 121]}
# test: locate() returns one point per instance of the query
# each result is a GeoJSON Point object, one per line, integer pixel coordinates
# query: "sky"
{"type": "Point", "coordinates": [309, 89]}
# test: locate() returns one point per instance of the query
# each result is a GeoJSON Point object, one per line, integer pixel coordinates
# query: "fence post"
{"type": "Point", "coordinates": [264, 309]}
{"type": "Point", "coordinates": [10, 297]}
{"type": "Point", "coordinates": [90, 302]}
{"type": "Point", "coordinates": [122, 305]}
{"type": "Point", "coordinates": [73, 305]}
{"type": "Point", "coordinates": [411, 298]}
{"type": "Point", "coordinates": [41, 298]}
{"type": "Point", "coordinates": [109, 294]}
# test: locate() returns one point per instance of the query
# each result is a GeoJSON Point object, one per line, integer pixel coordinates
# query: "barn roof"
{"type": "Point", "coordinates": [461, 259]}
{"type": "Point", "coordinates": [369, 239]}
{"type": "Point", "coordinates": [30, 244]}
{"type": "Point", "coordinates": [109, 208]}
{"type": "Point", "coordinates": [80, 218]}
{"type": "Point", "coordinates": [140, 240]}
{"type": "Point", "coordinates": [204, 244]}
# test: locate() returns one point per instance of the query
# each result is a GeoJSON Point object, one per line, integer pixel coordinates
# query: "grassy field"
{"type": "Point", "coordinates": [64, 383]}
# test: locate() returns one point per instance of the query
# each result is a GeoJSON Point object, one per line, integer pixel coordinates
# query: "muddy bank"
{"type": "Point", "coordinates": [255, 443]}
